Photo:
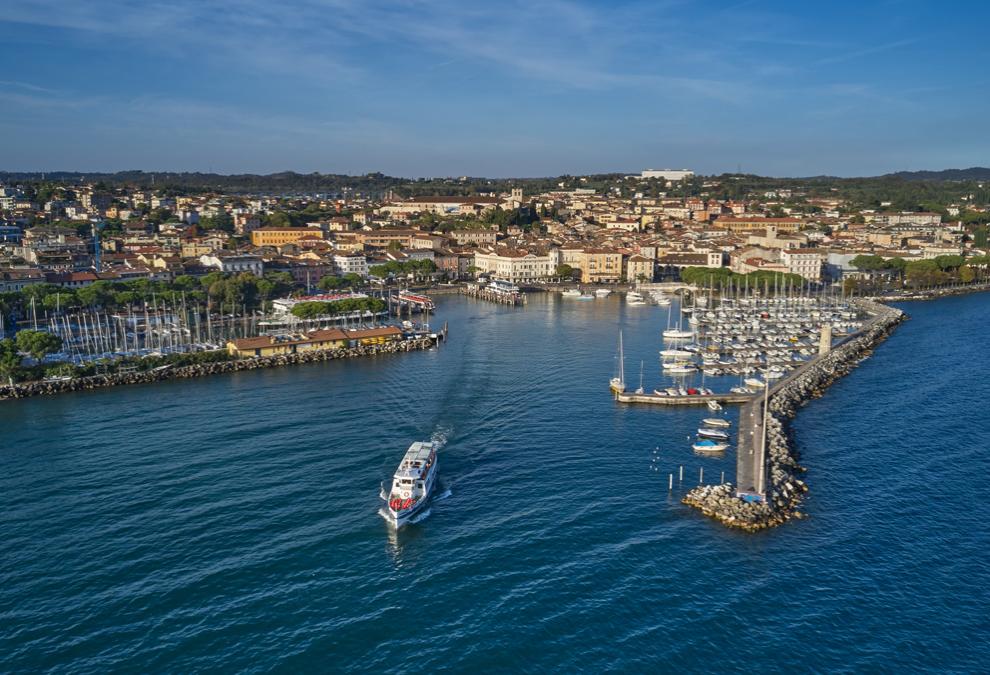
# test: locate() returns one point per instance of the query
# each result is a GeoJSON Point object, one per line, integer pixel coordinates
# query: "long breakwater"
{"type": "Point", "coordinates": [47, 387]}
{"type": "Point", "coordinates": [780, 462]}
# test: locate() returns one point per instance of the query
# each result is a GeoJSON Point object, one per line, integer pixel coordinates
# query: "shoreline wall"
{"type": "Point", "coordinates": [784, 488]}
{"type": "Point", "coordinates": [48, 388]}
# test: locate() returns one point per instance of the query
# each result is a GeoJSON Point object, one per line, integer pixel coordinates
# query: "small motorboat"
{"type": "Point", "coordinates": [716, 422]}
{"type": "Point", "coordinates": [713, 433]}
{"type": "Point", "coordinates": [714, 405]}
{"type": "Point", "coordinates": [709, 446]}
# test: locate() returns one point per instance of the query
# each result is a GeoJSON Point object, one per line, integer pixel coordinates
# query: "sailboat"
{"type": "Point", "coordinates": [618, 383]}
{"type": "Point", "coordinates": [676, 333]}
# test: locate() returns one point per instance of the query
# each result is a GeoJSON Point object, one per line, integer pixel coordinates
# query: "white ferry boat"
{"type": "Point", "coordinates": [503, 287]}
{"type": "Point", "coordinates": [412, 483]}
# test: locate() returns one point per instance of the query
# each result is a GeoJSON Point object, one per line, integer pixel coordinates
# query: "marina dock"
{"type": "Point", "coordinates": [492, 293]}
{"type": "Point", "coordinates": [690, 399]}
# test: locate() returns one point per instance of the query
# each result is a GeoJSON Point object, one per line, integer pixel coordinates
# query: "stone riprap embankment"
{"type": "Point", "coordinates": [42, 388]}
{"type": "Point", "coordinates": [784, 489]}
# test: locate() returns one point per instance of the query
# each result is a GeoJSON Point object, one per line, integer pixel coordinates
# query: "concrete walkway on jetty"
{"type": "Point", "coordinates": [751, 458]}
{"type": "Point", "coordinates": [776, 467]}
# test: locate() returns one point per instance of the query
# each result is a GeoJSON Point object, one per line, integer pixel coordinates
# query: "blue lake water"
{"type": "Point", "coordinates": [230, 523]}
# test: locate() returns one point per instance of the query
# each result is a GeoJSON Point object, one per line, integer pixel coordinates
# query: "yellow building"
{"type": "Point", "coordinates": [601, 266]}
{"type": "Point", "coordinates": [639, 268]}
{"type": "Point", "coordinates": [276, 236]}
{"type": "Point", "coordinates": [744, 224]}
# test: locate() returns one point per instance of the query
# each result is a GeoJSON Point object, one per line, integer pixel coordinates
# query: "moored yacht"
{"type": "Point", "coordinates": [412, 483]}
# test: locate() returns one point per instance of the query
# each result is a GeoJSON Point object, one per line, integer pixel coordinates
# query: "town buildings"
{"type": "Point", "coordinates": [75, 236]}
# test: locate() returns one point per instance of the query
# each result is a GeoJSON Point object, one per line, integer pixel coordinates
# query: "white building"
{"type": "Point", "coordinates": [350, 264]}
{"type": "Point", "coordinates": [667, 174]}
{"type": "Point", "coordinates": [516, 265]}
{"type": "Point", "coordinates": [234, 263]}
{"type": "Point", "coordinates": [806, 262]}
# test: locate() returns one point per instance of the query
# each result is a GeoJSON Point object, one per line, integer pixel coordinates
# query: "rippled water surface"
{"type": "Point", "coordinates": [230, 522]}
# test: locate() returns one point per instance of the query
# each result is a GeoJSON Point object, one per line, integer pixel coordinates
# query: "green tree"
{"type": "Point", "coordinates": [38, 343]}
{"type": "Point", "coordinates": [948, 262]}
{"type": "Point", "coordinates": [185, 282]}
{"type": "Point", "coordinates": [980, 236]}
{"type": "Point", "coordinates": [564, 271]}
{"type": "Point", "coordinates": [97, 294]}
{"type": "Point", "coordinates": [867, 263]}
{"type": "Point", "coordinates": [61, 299]}
{"type": "Point", "coordinates": [222, 221]}
{"type": "Point", "coordinates": [10, 360]}
{"type": "Point", "coordinates": [330, 282]}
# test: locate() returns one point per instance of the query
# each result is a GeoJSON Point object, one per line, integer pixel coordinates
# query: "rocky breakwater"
{"type": "Point", "coordinates": [43, 388]}
{"type": "Point", "coordinates": [784, 489]}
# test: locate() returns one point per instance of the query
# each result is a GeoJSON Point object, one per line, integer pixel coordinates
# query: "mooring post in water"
{"type": "Point", "coordinates": [681, 476]}
{"type": "Point", "coordinates": [722, 480]}
{"type": "Point", "coordinates": [701, 475]}
{"type": "Point", "coordinates": [670, 483]}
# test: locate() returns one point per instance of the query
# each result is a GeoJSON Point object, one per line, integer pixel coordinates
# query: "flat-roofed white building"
{"type": "Point", "coordinates": [804, 261]}
{"type": "Point", "coordinates": [667, 174]}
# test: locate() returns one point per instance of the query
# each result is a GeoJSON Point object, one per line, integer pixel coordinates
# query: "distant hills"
{"type": "Point", "coordinates": [973, 173]}
{"type": "Point", "coordinates": [378, 184]}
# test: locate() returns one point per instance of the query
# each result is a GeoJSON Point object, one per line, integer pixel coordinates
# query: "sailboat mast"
{"type": "Point", "coordinates": [622, 362]}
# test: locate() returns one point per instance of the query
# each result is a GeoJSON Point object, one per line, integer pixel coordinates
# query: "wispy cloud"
{"type": "Point", "coordinates": [867, 51]}
{"type": "Point", "coordinates": [566, 43]}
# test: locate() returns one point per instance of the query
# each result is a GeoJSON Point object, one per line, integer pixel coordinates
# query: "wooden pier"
{"type": "Point", "coordinates": [514, 299]}
{"type": "Point", "coordinates": [690, 399]}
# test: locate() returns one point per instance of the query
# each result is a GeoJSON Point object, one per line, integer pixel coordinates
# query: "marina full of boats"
{"type": "Point", "coordinates": [755, 338]}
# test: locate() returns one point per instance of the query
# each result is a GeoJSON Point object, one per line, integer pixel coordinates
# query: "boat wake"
{"type": "Point", "coordinates": [443, 495]}
{"type": "Point", "coordinates": [420, 517]}
{"type": "Point", "coordinates": [441, 436]}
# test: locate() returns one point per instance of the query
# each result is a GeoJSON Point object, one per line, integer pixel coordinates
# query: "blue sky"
{"type": "Point", "coordinates": [466, 87]}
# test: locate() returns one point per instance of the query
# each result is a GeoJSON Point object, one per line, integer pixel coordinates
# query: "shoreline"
{"type": "Point", "coordinates": [785, 488]}
{"type": "Point", "coordinates": [933, 294]}
{"type": "Point", "coordinates": [52, 388]}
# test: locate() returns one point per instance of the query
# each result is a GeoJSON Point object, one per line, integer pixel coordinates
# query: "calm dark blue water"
{"type": "Point", "coordinates": [230, 523]}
